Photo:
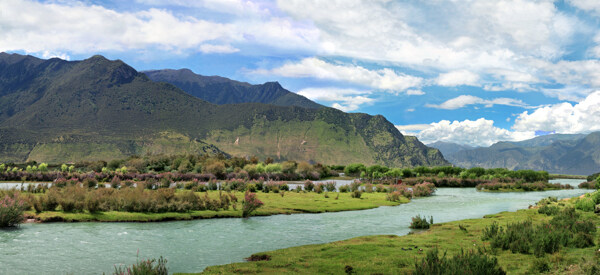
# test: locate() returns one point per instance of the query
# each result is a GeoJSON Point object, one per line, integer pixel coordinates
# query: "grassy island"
{"type": "Point", "coordinates": [274, 203]}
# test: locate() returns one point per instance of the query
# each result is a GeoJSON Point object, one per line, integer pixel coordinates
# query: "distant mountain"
{"type": "Point", "coordinates": [449, 148]}
{"type": "Point", "coordinates": [221, 90]}
{"type": "Point", "coordinates": [562, 154]}
{"type": "Point", "coordinates": [56, 111]}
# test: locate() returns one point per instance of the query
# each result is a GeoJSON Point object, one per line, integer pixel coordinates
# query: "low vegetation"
{"type": "Point", "coordinates": [519, 186]}
{"type": "Point", "coordinates": [144, 267]}
{"type": "Point", "coordinates": [564, 241]}
{"type": "Point", "coordinates": [12, 207]}
{"type": "Point", "coordinates": [419, 222]}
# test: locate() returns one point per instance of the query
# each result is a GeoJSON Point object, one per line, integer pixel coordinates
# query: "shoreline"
{"type": "Point", "coordinates": [386, 250]}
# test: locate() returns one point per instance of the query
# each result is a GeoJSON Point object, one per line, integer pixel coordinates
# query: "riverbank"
{"type": "Point", "coordinates": [274, 204]}
{"type": "Point", "coordinates": [391, 254]}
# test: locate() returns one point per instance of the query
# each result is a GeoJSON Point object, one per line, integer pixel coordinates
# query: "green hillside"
{"type": "Point", "coordinates": [221, 90]}
{"type": "Point", "coordinates": [55, 111]}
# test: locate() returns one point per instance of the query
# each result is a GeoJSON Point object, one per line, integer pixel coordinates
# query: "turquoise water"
{"type": "Point", "coordinates": [190, 246]}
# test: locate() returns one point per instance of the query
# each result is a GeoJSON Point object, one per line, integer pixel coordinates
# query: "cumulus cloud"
{"type": "Point", "coordinates": [465, 100]}
{"type": "Point", "coordinates": [480, 132]}
{"type": "Point", "coordinates": [81, 28]}
{"type": "Point", "coordinates": [342, 99]}
{"type": "Point", "coordinates": [384, 79]}
{"type": "Point", "coordinates": [457, 78]}
{"type": "Point", "coordinates": [583, 117]}
{"type": "Point", "coordinates": [564, 118]}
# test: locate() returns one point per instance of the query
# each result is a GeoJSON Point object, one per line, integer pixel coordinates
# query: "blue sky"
{"type": "Point", "coordinates": [471, 72]}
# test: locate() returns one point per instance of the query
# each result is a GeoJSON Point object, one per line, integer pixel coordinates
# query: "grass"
{"type": "Point", "coordinates": [290, 203]}
{"type": "Point", "coordinates": [389, 254]}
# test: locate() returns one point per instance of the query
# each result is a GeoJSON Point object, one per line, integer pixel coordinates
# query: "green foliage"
{"type": "Point", "coordinates": [419, 222]}
{"type": "Point", "coordinates": [548, 210]}
{"type": "Point", "coordinates": [145, 267]}
{"type": "Point", "coordinates": [585, 204]}
{"type": "Point", "coordinates": [565, 229]}
{"type": "Point", "coordinates": [354, 168]}
{"type": "Point", "coordinates": [471, 262]}
{"type": "Point", "coordinates": [356, 194]}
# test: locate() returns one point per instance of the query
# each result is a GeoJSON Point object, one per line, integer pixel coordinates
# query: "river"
{"type": "Point", "coordinates": [191, 246]}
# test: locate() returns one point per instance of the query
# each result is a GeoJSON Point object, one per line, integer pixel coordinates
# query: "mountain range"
{"type": "Point", "coordinates": [221, 90]}
{"type": "Point", "coordinates": [574, 154]}
{"type": "Point", "coordinates": [96, 109]}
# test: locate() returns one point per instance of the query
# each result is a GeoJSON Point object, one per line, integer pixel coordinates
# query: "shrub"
{"type": "Point", "coordinates": [11, 210]}
{"type": "Point", "coordinates": [393, 196]}
{"type": "Point", "coordinates": [330, 186]}
{"type": "Point", "coordinates": [250, 204]}
{"type": "Point", "coordinates": [585, 204]}
{"type": "Point", "coordinates": [471, 262]}
{"type": "Point", "coordinates": [355, 185]}
{"type": "Point", "coordinates": [319, 188]}
{"type": "Point", "coordinates": [548, 210]}
{"type": "Point", "coordinates": [356, 194]}
{"type": "Point", "coordinates": [145, 267]}
{"type": "Point", "coordinates": [343, 189]}
{"type": "Point", "coordinates": [419, 222]}
{"type": "Point", "coordinates": [308, 185]}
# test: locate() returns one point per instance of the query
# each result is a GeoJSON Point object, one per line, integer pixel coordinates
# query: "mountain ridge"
{"type": "Point", "coordinates": [577, 154]}
{"type": "Point", "coordinates": [221, 90]}
{"type": "Point", "coordinates": [101, 109]}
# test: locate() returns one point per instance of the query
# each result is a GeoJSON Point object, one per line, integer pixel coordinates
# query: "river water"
{"type": "Point", "coordinates": [191, 246]}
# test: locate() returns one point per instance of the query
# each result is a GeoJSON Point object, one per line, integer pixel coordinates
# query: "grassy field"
{"type": "Point", "coordinates": [392, 254]}
{"type": "Point", "coordinates": [274, 203]}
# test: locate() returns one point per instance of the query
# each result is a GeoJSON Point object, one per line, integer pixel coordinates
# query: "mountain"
{"type": "Point", "coordinates": [56, 111]}
{"type": "Point", "coordinates": [221, 90]}
{"type": "Point", "coordinates": [449, 148]}
{"type": "Point", "coordinates": [561, 154]}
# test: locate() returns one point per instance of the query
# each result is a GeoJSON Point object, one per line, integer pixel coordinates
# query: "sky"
{"type": "Point", "coordinates": [469, 72]}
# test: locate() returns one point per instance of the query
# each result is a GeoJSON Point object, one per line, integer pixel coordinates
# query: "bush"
{"type": "Point", "coordinates": [145, 267]}
{"type": "Point", "coordinates": [11, 210]}
{"type": "Point", "coordinates": [356, 194]}
{"type": "Point", "coordinates": [470, 262]}
{"type": "Point", "coordinates": [393, 196]}
{"type": "Point", "coordinates": [548, 210]}
{"type": "Point", "coordinates": [343, 189]}
{"type": "Point", "coordinates": [330, 186]}
{"type": "Point", "coordinates": [585, 204]}
{"type": "Point", "coordinates": [250, 204]}
{"type": "Point", "coordinates": [308, 186]}
{"type": "Point", "coordinates": [420, 223]}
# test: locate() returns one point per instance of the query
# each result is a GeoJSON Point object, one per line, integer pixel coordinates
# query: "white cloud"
{"type": "Point", "coordinates": [384, 79]}
{"type": "Point", "coordinates": [343, 99]}
{"type": "Point", "coordinates": [209, 48]}
{"type": "Point", "coordinates": [475, 34]}
{"type": "Point", "coordinates": [563, 118]}
{"type": "Point", "coordinates": [465, 100]}
{"type": "Point", "coordinates": [76, 27]}
{"type": "Point", "coordinates": [457, 78]}
{"type": "Point", "coordinates": [586, 5]}
{"type": "Point", "coordinates": [583, 117]}
{"type": "Point", "coordinates": [415, 92]}
{"type": "Point", "coordinates": [480, 132]}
